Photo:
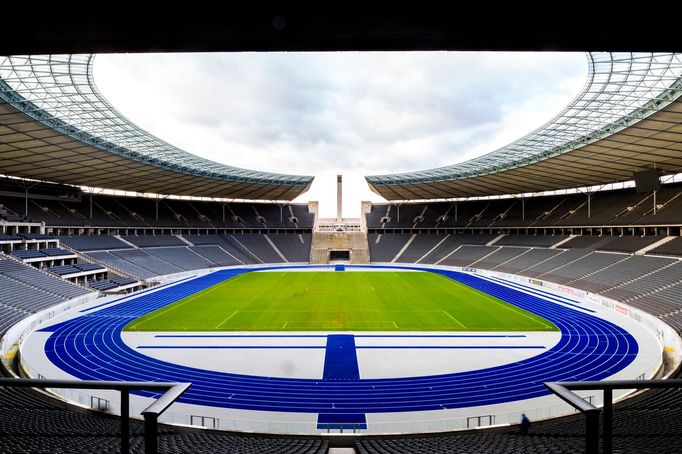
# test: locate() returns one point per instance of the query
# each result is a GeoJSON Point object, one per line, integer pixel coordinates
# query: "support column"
{"type": "Point", "coordinates": [150, 433]}
{"type": "Point", "coordinates": [607, 445]}
{"type": "Point", "coordinates": [125, 421]}
{"type": "Point", "coordinates": [591, 431]}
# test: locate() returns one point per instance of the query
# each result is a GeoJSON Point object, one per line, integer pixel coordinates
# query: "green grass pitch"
{"type": "Point", "coordinates": [340, 301]}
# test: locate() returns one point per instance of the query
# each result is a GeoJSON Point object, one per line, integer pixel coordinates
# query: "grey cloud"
{"type": "Point", "coordinates": [370, 113]}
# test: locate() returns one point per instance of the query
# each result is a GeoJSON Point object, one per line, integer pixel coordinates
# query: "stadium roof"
{"type": "Point", "coordinates": [56, 126]}
{"type": "Point", "coordinates": [627, 118]}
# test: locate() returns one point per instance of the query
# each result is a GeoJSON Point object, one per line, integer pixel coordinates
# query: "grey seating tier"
{"type": "Point", "coordinates": [466, 255]}
{"type": "Point", "coordinates": [181, 257]}
{"type": "Point", "coordinates": [40, 280]}
{"type": "Point", "coordinates": [673, 247]}
{"type": "Point", "coordinates": [530, 258]}
{"type": "Point", "coordinates": [295, 247]}
{"type": "Point", "coordinates": [588, 264]}
{"type": "Point", "coordinates": [93, 243]}
{"type": "Point", "coordinates": [257, 245]}
{"type": "Point", "coordinates": [154, 240]}
{"type": "Point", "coordinates": [419, 247]}
{"type": "Point", "coordinates": [382, 248]}
{"type": "Point", "coordinates": [147, 261]}
{"type": "Point", "coordinates": [216, 255]}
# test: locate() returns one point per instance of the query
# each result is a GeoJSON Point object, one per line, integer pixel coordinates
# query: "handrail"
{"type": "Point", "coordinates": [564, 391]}
{"type": "Point", "coordinates": [151, 413]}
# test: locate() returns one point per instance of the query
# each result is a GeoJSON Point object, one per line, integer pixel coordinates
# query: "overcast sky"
{"type": "Point", "coordinates": [350, 113]}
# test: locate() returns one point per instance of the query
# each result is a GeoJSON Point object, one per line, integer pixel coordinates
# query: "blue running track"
{"type": "Point", "coordinates": [90, 347]}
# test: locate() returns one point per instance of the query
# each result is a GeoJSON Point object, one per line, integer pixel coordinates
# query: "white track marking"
{"type": "Point", "coordinates": [233, 313]}
{"type": "Point", "coordinates": [460, 323]}
{"type": "Point", "coordinates": [194, 296]}
{"type": "Point", "coordinates": [513, 308]}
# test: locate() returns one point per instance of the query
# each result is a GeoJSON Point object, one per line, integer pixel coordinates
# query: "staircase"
{"type": "Point", "coordinates": [354, 242]}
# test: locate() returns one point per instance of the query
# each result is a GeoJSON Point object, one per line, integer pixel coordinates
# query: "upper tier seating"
{"type": "Point", "coordinates": [622, 207]}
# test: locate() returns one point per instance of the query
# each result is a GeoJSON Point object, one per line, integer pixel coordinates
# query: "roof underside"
{"type": "Point", "coordinates": [626, 119]}
{"type": "Point", "coordinates": [55, 126]}
{"type": "Point", "coordinates": [652, 143]}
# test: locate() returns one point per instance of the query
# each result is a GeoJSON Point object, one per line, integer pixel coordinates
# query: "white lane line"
{"type": "Point", "coordinates": [233, 313]}
{"type": "Point", "coordinates": [511, 307]}
{"type": "Point", "coordinates": [460, 323]}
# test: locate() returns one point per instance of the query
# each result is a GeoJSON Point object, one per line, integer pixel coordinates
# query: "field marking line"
{"type": "Point", "coordinates": [233, 313]}
{"type": "Point", "coordinates": [285, 324]}
{"type": "Point", "coordinates": [513, 308]}
{"type": "Point", "coordinates": [176, 304]}
{"type": "Point", "coordinates": [460, 323]}
{"type": "Point", "coordinates": [396, 326]}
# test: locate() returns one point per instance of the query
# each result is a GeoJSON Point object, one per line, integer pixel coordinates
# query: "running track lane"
{"type": "Point", "coordinates": [90, 347]}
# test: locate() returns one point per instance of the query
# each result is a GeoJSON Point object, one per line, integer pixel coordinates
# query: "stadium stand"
{"type": "Point", "coordinates": [561, 259]}
{"type": "Point", "coordinates": [641, 425]}
{"type": "Point", "coordinates": [116, 212]}
{"type": "Point", "coordinates": [627, 270]}
{"type": "Point", "coordinates": [216, 255]}
{"type": "Point", "coordinates": [154, 240]}
{"type": "Point", "coordinates": [30, 424]}
{"type": "Point", "coordinates": [148, 256]}
{"type": "Point", "coordinates": [38, 280]}
{"type": "Point", "coordinates": [622, 207]}
{"type": "Point", "coordinates": [531, 240]}
{"type": "Point", "coordinates": [121, 264]}
{"type": "Point", "coordinates": [586, 265]}
{"type": "Point", "coordinates": [182, 257]}
{"type": "Point", "coordinates": [419, 246]}
{"type": "Point", "coordinates": [27, 253]}
{"type": "Point", "coordinates": [527, 260]}
{"type": "Point", "coordinates": [452, 243]}
{"type": "Point", "coordinates": [143, 259]}
{"type": "Point", "coordinates": [466, 255]}
{"type": "Point", "coordinates": [382, 248]}
{"type": "Point", "coordinates": [673, 247]}
{"type": "Point", "coordinates": [628, 243]}
{"type": "Point", "coordinates": [499, 257]}
{"type": "Point", "coordinates": [296, 248]}
{"type": "Point", "coordinates": [259, 246]}
{"type": "Point", "coordinates": [64, 270]}
{"type": "Point", "coordinates": [87, 243]}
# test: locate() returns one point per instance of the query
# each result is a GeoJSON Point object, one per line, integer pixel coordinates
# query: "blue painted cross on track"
{"type": "Point", "coordinates": [341, 363]}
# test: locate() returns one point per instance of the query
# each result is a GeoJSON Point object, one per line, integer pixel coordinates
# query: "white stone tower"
{"type": "Point", "coordinates": [339, 198]}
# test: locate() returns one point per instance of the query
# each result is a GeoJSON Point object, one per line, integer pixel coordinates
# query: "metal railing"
{"type": "Point", "coordinates": [592, 413]}
{"type": "Point", "coordinates": [151, 413]}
